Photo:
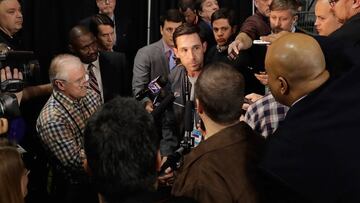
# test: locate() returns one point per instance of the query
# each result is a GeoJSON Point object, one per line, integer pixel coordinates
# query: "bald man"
{"type": "Point", "coordinates": [326, 22]}
{"type": "Point", "coordinates": [296, 67]}
{"type": "Point", "coordinates": [312, 157]}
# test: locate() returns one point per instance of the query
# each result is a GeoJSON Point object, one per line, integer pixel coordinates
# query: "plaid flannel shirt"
{"type": "Point", "coordinates": [265, 115]}
{"type": "Point", "coordinates": [60, 135]}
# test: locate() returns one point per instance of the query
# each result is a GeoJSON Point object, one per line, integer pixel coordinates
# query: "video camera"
{"type": "Point", "coordinates": [9, 106]}
{"type": "Point", "coordinates": [24, 61]}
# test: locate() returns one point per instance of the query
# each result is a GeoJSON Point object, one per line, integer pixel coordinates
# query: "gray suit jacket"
{"type": "Point", "coordinates": [150, 62]}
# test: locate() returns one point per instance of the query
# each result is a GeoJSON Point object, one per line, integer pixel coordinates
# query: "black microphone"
{"type": "Point", "coordinates": [172, 161]}
{"type": "Point", "coordinates": [188, 142]}
{"type": "Point", "coordinates": [189, 118]}
{"type": "Point", "coordinates": [169, 99]}
{"type": "Point", "coordinates": [152, 88]}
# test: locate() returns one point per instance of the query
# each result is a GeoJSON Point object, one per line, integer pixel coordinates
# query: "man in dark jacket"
{"type": "Point", "coordinates": [222, 167]}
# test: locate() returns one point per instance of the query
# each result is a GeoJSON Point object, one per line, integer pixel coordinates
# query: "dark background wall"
{"type": "Point", "coordinates": [47, 22]}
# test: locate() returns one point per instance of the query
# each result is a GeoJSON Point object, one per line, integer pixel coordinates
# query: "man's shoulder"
{"type": "Point", "coordinates": [256, 17]}
{"type": "Point", "coordinates": [50, 112]}
{"type": "Point", "coordinates": [111, 57]}
{"type": "Point", "coordinates": [156, 46]}
{"type": "Point", "coordinates": [112, 54]}
{"type": "Point", "coordinates": [92, 99]}
{"type": "Point", "coordinates": [176, 72]}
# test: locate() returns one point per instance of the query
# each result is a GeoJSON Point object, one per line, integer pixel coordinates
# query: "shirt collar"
{"type": "Point", "coordinates": [95, 63]}
{"type": "Point", "coordinates": [298, 100]}
{"type": "Point", "coordinates": [65, 100]}
{"type": "Point", "coordinates": [166, 47]}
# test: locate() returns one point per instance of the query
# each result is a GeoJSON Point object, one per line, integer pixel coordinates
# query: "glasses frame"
{"type": "Point", "coordinates": [79, 82]}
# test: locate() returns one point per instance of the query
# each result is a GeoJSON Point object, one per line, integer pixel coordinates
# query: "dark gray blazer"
{"type": "Point", "coordinates": [150, 62]}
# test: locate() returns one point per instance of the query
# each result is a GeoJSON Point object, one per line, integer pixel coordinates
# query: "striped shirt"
{"type": "Point", "coordinates": [60, 127]}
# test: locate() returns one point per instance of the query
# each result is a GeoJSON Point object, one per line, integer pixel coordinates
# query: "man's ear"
{"type": "Point", "coordinates": [296, 17]}
{"type": "Point", "coordinates": [356, 4]}
{"type": "Point", "coordinates": [200, 13]}
{"type": "Point", "coordinates": [284, 86]}
{"type": "Point", "coordinates": [176, 52]}
{"type": "Point", "coordinates": [204, 46]}
{"type": "Point", "coordinates": [256, 3]}
{"type": "Point", "coordinates": [59, 85]}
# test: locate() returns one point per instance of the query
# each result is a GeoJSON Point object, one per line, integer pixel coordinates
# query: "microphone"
{"type": "Point", "coordinates": [172, 161]}
{"type": "Point", "coordinates": [188, 142]}
{"type": "Point", "coordinates": [153, 88]}
{"type": "Point", "coordinates": [169, 99]}
{"type": "Point", "coordinates": [189, 125]}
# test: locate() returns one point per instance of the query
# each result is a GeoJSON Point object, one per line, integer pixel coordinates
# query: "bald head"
{"type": "Point", "coordinates": [77, 32]}
{"type": "Point", "coordinates": [296, 66]}
{"type": "Point", "coordinates": [82, 43]}
{"type": "Point", "coordinates": [326, 22]}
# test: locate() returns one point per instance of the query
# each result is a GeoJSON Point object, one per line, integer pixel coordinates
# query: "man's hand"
{"type": "Point", "coordinates": [262, 77]}
{"type": "Point", "coordinates": [5, 74]}
{"type": "Point", "coordinates": [251, 98]}
{"type": "Point", "coordinates": [242, 42]}
{"type": "Point", "coordinates": [166, 179]}
{"type": "Point", "coordinates": [273, 37]}
{"type": "Point", "coordinates": [234, 49]}
{"type": "Point", "coordinates": [149, 107]}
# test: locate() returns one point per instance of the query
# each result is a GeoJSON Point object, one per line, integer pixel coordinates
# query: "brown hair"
{"type": "Point", "coordinates": [11, 171]}
{"type": "Point", "coordinates": [279, 5]}
{"type": "Point", "coordinates": [187, 29]}
{"type": "Point", "coordinates": [220, 90]}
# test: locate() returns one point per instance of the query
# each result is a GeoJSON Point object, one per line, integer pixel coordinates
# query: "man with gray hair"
{"type": "Point", "coordinates": [61, 123]}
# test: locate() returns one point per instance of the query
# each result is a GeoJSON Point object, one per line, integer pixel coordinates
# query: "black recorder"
{"type": "Point", "coordinates": [24, 61]}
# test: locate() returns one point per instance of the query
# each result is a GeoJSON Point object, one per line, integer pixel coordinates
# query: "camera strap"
{"type": "Point", "coordinates": [70, 116]}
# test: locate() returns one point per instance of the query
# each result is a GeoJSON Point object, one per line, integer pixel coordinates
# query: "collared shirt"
{"type": "Point", "coordinates": [265, 115]}
{"type": "Point", "coordinates": [60, 127]}
{"type": "Point", "coordinates": [97, 75]}
{"type": "Point", "coordinates": [166, 47]}
{"type": "Point", "coordinates": [171, 61]}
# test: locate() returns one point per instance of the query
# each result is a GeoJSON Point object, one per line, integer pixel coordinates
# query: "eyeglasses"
{"type": "Point", "coordinates": [79, 81]}
{"type": "Point", "coordinates": [332, 2]}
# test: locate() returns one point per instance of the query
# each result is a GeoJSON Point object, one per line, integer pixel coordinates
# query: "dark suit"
{"type": "Point", "coordinates": [206, 32]}
{"type": "Point", "coordinates": [336, 45]}
{"type": "Point", "coordinates": [241, 63]}
{"type": "Point", "coordinates": [315, 150]}
{"type": "Point", "coordinates": [150, 62]}
{"type": "Point", "coordinates": [115, 75]}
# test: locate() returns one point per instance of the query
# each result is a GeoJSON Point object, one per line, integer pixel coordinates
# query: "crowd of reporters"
{"type": "Point", "coordinates": [172, 128]}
